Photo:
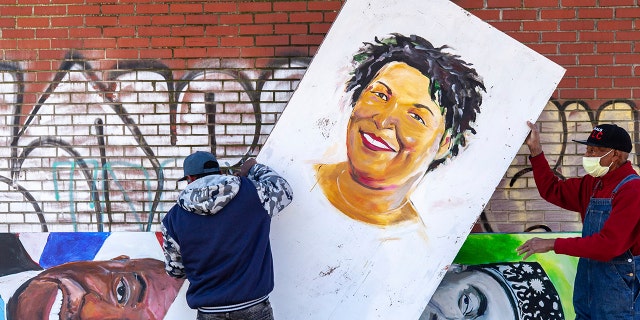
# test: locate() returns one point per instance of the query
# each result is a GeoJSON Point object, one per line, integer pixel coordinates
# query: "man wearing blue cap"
{"type": "Point", "coordinates": [217, 236]}
{"type": "Point", "coordinates": [608, 199]}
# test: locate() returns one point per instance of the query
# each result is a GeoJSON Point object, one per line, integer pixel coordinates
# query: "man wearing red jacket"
{"type": "Point", "coordinates": [608, 199]}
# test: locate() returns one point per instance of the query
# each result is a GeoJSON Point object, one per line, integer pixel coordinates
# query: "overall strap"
{"type": "Point", "coordinates": [628, 178]}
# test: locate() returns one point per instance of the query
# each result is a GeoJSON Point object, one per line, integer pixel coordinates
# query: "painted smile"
{"type": "Point", "coordinates": [375, 143]}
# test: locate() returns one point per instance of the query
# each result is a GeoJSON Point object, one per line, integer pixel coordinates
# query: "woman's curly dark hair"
{"type": "Point", "coordinates": [453, 83]}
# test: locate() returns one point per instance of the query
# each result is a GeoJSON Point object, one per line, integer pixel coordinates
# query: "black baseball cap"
{"type": "Point", "coordinates": [198, 163]}
{"type": "Point", "coordinates": [609, 136]}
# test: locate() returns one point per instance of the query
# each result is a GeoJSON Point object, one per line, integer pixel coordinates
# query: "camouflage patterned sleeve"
{"type": "Point", "coordinates": [172, 257]}
{"type": "Point", "coordinates": [274, 191]}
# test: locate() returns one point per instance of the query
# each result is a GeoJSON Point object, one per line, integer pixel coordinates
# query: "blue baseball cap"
{"type": "Point", "coordinates": [198, 163]}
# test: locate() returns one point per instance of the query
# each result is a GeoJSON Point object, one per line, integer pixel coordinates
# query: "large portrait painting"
{"type": "Point", "coordinates": [394, 140]}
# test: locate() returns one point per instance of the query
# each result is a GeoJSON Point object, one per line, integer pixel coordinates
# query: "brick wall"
{"type": "Point", "coordinates": [101, 100]}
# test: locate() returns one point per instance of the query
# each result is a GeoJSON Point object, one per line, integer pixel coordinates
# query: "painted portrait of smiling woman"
{"type": "Point", "coordinates": [413, 107]}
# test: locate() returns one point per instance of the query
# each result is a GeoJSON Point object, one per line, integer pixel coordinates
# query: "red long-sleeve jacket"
{"type": "Point", "coordinates": [619, 233]}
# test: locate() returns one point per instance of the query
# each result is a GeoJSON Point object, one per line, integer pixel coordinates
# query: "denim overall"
{"type": "Point", "coordinates": [606, 290]}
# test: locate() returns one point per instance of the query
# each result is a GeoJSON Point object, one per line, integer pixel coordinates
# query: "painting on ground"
{"type": "Point", "coordinates": [88, 275]}
{"type": "Point", "coordinates": [394, 140]}
{"type": "Point", "coordinates": [488, 280]}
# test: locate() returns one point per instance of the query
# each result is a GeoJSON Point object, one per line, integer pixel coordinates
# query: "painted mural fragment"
{"type": "Point", "coordinates": [488, 280]}
{"type": "Point", "coordinates": [87, 276]}
{"type": "Point", "coordinates": [402, 93]}
{"type": "Point", "coordinates": [413, 105]}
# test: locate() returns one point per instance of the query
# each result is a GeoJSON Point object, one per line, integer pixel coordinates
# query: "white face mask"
{"type": "Point", "coordinates": [592, 165]}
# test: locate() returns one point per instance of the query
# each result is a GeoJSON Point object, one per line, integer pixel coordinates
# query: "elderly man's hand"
{"type": "Point", "coordinates": [533, 140]}
{"type": "Point", "coordinates": [535, 245]}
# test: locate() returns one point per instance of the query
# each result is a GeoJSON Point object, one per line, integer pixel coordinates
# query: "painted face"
{"type": "Point", "coordinates": [395, 128]}
{"type": "Point", "coordinates": [469, 295]}
{"type": "Point", "coordinates": [116, 289]}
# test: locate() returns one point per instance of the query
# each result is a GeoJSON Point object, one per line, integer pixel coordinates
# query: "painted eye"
{"type": "Point", "coordinates": [417, 117]}
{"type": "Point", "coordinates": [472, 303]}
{"type": "Point", "coordinates": [122, 291]}
{"type": "Point", "coordinates": [381, 96]}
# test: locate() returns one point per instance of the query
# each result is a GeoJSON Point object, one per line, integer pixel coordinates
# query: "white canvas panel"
{"type": "Point", "coordinates": [331, 266]}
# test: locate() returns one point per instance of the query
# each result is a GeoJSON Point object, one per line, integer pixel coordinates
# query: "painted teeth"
{"type": "Point", "coordinates": [54, 314]}
{"type": "Point", "coordinates": [375, 142]}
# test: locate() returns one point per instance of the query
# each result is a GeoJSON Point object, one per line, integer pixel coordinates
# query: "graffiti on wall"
{"type": "Point", "coordinates": [98, 153]}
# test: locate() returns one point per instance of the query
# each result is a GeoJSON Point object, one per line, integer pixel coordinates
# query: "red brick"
{"type": "Point", "coordinates": [101, 21]}
{"type": "Point", "coordinates": [163, 42]}
{"type": "Point", "coordinates": [152, 8]}
{"type": "Point", "coordinates": [203, 19]}
{"type": "Point", "coordinates": [519, 14]}
{"type": "Point", "coordinates": [221, 7]}
{"type": "Point", "coordinates": [66, 43]}
{"type": "Point", "coordinates": [20, 55]}
{"type": "Point", "coordinates": [595, 13]}
{"type": "Point", "coordinates": [321, 28]}
{"type": "Point", "coordinates": [200, 41]}
{"type": "Point", "coordinates": [566, 60]}
{"type": "Point", "coordinates": [470, 4]}
{"type": "Point", "coordinates": [121, 53]}
{"type": "Point", "coordinates": [626, 82]}
{"type": "Point", "coordinates": [577, 25]}
{"type": "Point", "coordinates": [52, 33]}
{"type": "Point", "coordinates": [257, 52]}
{"type": "Point", "coordinates": [254, 7]}
{"type": "Point", "coordinates": [256, 29]}
{"type": "Point", "coordinates": [132, 42]}
{"type": "Point", "coordinates": [49, 10]}
{"type": "Point", "coordinates": [594, 83]}
{"type": "Point", "coordinates": [8, 44]}
{"type": "Point", "coordinates": [187, 31]}
{"type": "Point", "coordinates": [51, 54]}
{"type": "Point", "coordinates": [18, 33]}
{"type": "Point", "coordinates": [503, 3]}
{"type": "Point", "coordinates": [167, 20]}
{"type": "Point", "coordinates": [336, 5]}
{"type": "Point", "coordinates": [271, 18]}
{"type": "Point", "coordinates": [559, 36]}
{"type": "Point", "coordinates": [330, 16]}
{"type": "Point", "coordinates": [293, 52]}
{"type": "Point", "coordinates": [540, 3]}
{"type": "Point", "coordinates": [288, 6]}
{"type": "Point", "coordinates": [83, 9]}
{"type": "Point", "coordinates": [99, 43]}
{"type": "Point", "coordinates": [117, 9]}
{"type": "Point", "coordinates": [136, 20]}
{"type": "Point", "coordinates": [186, 8]}
{"type": "Point", "coordinates": [627, 58]}
{"type": "Point", "coordinates": [119, 32]}
{"type": "Point", "coordinates": [614, 47]}
{"type": "Point", "coordinates": [577, 48]}
{"type": "Point", "coordinates": [272, 40]}
{"type": "Point", "coordinates": [217, 30]}
{"type": "Point", "coordinates": [154, 53]}
{"type": "Point", "coordinates": [614, 71]}
{"type": "Point", "coordinates": [306, 40]}
{"type": "Point", "coordinates": [70, 21]}
{"type": "Point", "coordinates": [557, 14]}
{"type": "Point", "coordinates": [236, 19]}
{"type": "Point", "coordinates": [596, 36]}
{"type": "Point", "coordinates": [615, 3]}
{"type": "Point", "coordinates": [85, 32]}
{"type": "Point", "coordinates": [543, 49]}
{"type": "Point", "coordinates": [305, 17]}
{"type": "Point", "coordinates": [578, 3]}
{"type": "Point", "coordinates": [148, 31]}
{"type": "Point", "coordinates": [615, 25]}
{"type": "Point", "coordinates": [189, 52]}
{"type": "Point", "coordinates": [26, 44]}
{"type": "Point", "coordinates": [580, 71]}
{"type": "Point", "coordinates": [15, 11]}
{"type": "Point", "coordinates": [576, 94]}
{"type": "Point", "coordinates": [627, 35]}
{"type": "Point", "coordinates": [488, 15]}
{"type": "Point", "coordinates": [7, 22]}
{"type": "Point", "coordinates": [291, 29]}
{"type": "Point", "coordinates": [219, 52]}
{"type": "Point", "coordinates": [613, 93]}
{"type": "Point", "coordinates": [32, 22]}
{"type": "Point", "coordinates": [237, 42]}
